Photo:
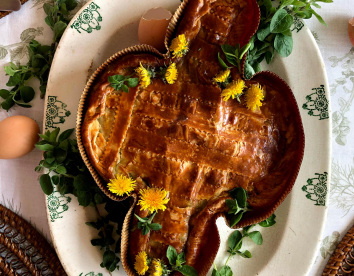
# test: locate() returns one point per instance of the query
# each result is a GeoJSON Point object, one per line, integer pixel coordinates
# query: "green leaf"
{"type": "Point", "coordinates": [59, 28]}
{"type": "Point", "coordinates": [132, 82]}
{"type": "Point", "coordinates": [8, 103]}
{"type": "Point", "coordinates": [181, 259]}
{"type": "Point", "coordinates": [298, 4]}
{"type": "Point", "coordinates": [235, 219]}
{"type": "Point", "coordinates": [48, 9]}
{"type": "Point", "coordinates": [27, 93]}
{"type": "Point", "coordinates": [125, 88]}
{"type": "Point", "coordinates": [44, 147]}
{"type": "Point", "coordinates": [225, 271]}
{"type": "Point", "coordinates": [46, 184]}
{"type": "Point", "coordinates": [98, 198]}
{"type": "Point", "coordinates": [241, 197]}
{"type": "Point", "coordinates": [234, 240]}
{"type": "Point", "coordinates": [222, 63]}
{"type": "Point", "coordinates": [285, 3]}
{"type": "Point", "coordinates": [143, 220]}
{"type": "Point", "coordinates": [80, 182]}
{"type": "Point", "coordinates": [61, 170]}
{"type": "Point", "coordinates": [60, 155]}
{"type": "Point", "coordinates": [319, 18]}
{"type": "Point", "coordinates": [4, 93]}
{"type": "Point", "coordinates": [108, 257]}
{"type": "Point", "coordinates": [283, 45]}
{"type": "Point", "coordinates": [281, 21]}
{"type": "Point", "coordinates": [155, 226]}
{"type": "Point", "coordinates": [228, 49]}
{"type": "Point", "coordinates": [55, 179]}
{"type": "Point", "coordinates": [269, 221]}
{"type": "Point", "coordinates": [249, 71]}
{"type": "Point", "coordinates": [263, 33]}
{"type": "Point", "coordinates": [10, 69]}
{"type": "Point", "coordinates": [84, 198]}
{"type": "Point", "coordinates": [245, 254]}
{"type": "Point", "coordinates": [65, 135]}
{"type": "Point", "coordinates": [187, 270]}
{"type": "Point", "coordinates": [171, 255]}
{"type": "Point", "coordinates": [14, 80]}
{"type": "Point", "coordinates": [256, 236]}
{"type": "Point", "coordinates": [215, 273]}
{"type": "Point", "coordinates": [54, 134]}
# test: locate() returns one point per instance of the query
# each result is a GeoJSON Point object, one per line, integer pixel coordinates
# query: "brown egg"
{"type": "Point", "coordinates": [351, 30]}
{"type": "Point", "coordinates": [152, 27]}
{"type": "Point", "coordinates": [18, 134]}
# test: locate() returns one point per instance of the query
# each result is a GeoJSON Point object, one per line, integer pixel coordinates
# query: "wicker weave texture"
{"type": "Point", "coordinates": [342, 260]}
{"type": "Point", "coordinates": [23, 251]}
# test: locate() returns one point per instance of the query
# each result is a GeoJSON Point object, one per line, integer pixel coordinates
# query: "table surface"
{"type": "Point", "coordinates": [19, 185]}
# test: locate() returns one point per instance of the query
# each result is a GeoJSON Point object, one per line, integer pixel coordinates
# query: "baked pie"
{"type": "Point", "coordinates": [184, 138]}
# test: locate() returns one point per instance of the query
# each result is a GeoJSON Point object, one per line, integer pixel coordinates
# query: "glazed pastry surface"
{"type": "Point", "coordinates": [185, 139]}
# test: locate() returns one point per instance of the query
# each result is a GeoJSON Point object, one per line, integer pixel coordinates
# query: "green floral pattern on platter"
{"type": "Point", "coordinates": [316, 189]}
{"type": "Point", "coordinates": [329, 244]}
{"type": "Point", "coordinates": [298, 24]}
{"type": "Point", "coordinates": [88, 20]}
{"type": "Point", "coordinates": [56, 112]}
{"type": "Point", "coordinates": [91, 274]}
{"type": "Point", "coordinates": [340, 120]}
{"type": "Point", "coordinates": [19, 50]}
{"type": "Point", "coordinates": [57, 204]}
{"type": "Point", "coordinates": [317, 103]}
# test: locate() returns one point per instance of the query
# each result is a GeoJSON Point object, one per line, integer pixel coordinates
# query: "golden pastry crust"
{"type": "Point", "coordinates": [185, 139]}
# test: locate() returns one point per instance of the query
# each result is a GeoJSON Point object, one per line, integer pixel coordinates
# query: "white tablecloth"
{"type": "Point", "coordinates": [19, 185]}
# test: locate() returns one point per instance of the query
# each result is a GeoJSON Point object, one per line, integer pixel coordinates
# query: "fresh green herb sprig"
{"type": "Point", "coordinates": [120, 82]}
{"type": "Point", "coordinates": [146, 224]}
{"type": "Point", "coordinates": [177, 262]}
{"type": "Point", "coordinates": [235, 244]}
{"type": "Point", "coordinates": [274, 34]}
{"type": "Point", "coordinates": [40, 59]}
{"type": "Point", "coordinates": [237, 205]}
{"type": "Point", "coordinates": [58, 16]}
{"type": "Point", "coordinates": [67, 174]}
{"type": "Point", "coordinates": [233, 55]}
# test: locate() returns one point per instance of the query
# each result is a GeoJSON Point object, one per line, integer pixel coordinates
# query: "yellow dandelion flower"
{"type": "Point", "coordinates": [171, 74]}
{"type": "Point", "coordinates": [144, 76]}
{"type": "Point", "coordinates": [179, 46]}
{"type": "Point", "coordinates": [233, 89]}
{"type": "Point", "coordinates": [222, 76]}
{"type": "Point", "coordinates": [153, 199]}
{"type": "Point", "coordinates": [121, 185]}
{"type": "Point", "coordinates": [141, 263]}
{"type": "Point", "coordinates": [254, 96]}
{"type": "Point", "coordinates": [156, 268]}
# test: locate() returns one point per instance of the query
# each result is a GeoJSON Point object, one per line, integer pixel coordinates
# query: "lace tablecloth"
{"type": "Point", "coordinates": [19, 185]}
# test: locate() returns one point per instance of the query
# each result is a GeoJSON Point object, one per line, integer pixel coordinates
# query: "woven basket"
{"type": "Point", "coordinates": [4, 13]}
{"type": "Point", "coordinates": [23, 251]}
{"type": "Point", "coordinates": [342, 260]}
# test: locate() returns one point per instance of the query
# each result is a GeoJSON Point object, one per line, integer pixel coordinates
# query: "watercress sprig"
{"type": "Point", "coordinates": [40, 59]}
{"type": "Point", "coordinates": [146, 224]}
{"type": "Point", "coordinates": [274, 34]}
{"type": "Point", "coordinates": [120, 82]}
{"type": "Point", "coordinates": [235, 244]}
{"type": "Point", "coordinates": [237, 205]}
{"type": "Point", "coordinates": [63, 170]}
{"type": "Point", "coordinates": [177, 262]}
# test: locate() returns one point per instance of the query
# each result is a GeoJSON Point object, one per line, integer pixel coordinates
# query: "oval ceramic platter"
{"type": "Point", "coordinates": [103, 27]}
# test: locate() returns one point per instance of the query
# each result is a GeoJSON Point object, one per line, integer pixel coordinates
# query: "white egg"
{"type": "Point", "coordinates": [18, 135]}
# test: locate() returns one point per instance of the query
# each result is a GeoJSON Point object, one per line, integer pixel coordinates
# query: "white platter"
{"type": "Point", "coordinates": [103, 27]}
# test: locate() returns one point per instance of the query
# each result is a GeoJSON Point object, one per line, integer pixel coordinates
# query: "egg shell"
{"type": "Point", "coordinates": [152, 27]}
{"type": "Point", "coordinates": [18, 135]}
{"type": "Point", "coordinates": [351, 30]}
